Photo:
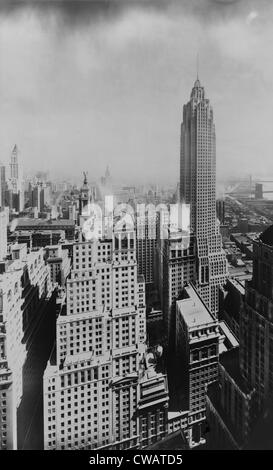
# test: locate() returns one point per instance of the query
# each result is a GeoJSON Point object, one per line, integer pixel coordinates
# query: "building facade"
{"type": "Point", "coordinates": [231, 300]}
{"type": "Point", "coordinates": [256, 321]}
{"type": "Point", "coordinates": [15, 183]}
{"type": "Point", "coordinates": [176, 267]}
{"type": "Point", "coordinates": [198, 189]}
{"type": "Point", "coordinates": [3, 234]}
{"type": "Point", "coordinates": [59, 264]}
{"type": "Point", "coordinates": [152, 407]}
{"type": "Point", "coordinates": [3, 187]}
{"type": "Point", "coordinates": [146, 245]}
{"type": "Point", "coordinates": [24, 287]}
{"type": "Point", "coordinates": [238, 407]}
{"type": "Point", "coordinates": [197, 349]}
{"type": "Point", "coordinates": [91, 393]}
{"type": "Point", "coordinates": [230, 406]}
{"type": "Point", "coordinates": [41, 225]}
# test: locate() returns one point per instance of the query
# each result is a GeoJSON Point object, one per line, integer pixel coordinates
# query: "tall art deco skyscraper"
{"type": "Point", "coordinates": [198, 188]}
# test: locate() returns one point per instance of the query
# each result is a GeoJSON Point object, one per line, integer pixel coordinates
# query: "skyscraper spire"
{"type": "Point", "coordinates": [14, 171]}
{"type": "Point", "coordinates": [197, 83]}
{"type": "Point", "coordinates": [85, 177]}
{"type": "Point", "coordinates": [15, 179]}
{"type": "Point", "coordinates": [107, 172]}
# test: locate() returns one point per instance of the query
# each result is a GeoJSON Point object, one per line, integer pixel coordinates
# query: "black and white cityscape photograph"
{"type": "Point", "coordinates": [136, 228]}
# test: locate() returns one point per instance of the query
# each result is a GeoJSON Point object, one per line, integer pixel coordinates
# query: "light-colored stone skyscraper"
{"type": "Point", "coordinates": [14, 167]}
{"type": "Point", "coordinates": [92, 388]}
{"type": "Point", "coordinates": [198, 188]}
{"type": "Point", "coordinates": [197, 346]}
{"type": "Point", "coordinates": [3, 234]}
{"type": "Point", "coordinates": [15, 182]}
{"type": "Point", "coordinates": [2, 185]}
{"type": "Point", "coordinates": [24, 289]}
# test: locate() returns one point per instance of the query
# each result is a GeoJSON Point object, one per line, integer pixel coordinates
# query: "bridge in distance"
{"type": "Point", "coordinates": [258, 192]}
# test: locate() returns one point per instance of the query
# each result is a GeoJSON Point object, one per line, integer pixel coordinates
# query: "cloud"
{"type": "Point", "coordinates": [251, 17]}
{"type": "Point", "coordinates": [86, 85]}
{"type": "Point", "coordinates": [80, 13]}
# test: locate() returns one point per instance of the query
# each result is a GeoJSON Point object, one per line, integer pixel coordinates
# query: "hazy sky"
{"type": "Point", "coordinates": [86, 84]}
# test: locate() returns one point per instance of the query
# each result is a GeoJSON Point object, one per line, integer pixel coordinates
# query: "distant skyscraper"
{"type": "Point", "coordinates": [105, 187]}
{"type": "Point", "coordinates": [220, 210]}
{"type": "Point", "coordinates": [14, 168]}
{"type": "Point", "coordinates": [85, 195]}
{"type": "Point", "coordinates": [15, 183]}
{"type": "Point", "coordinates": [39, 195]}
{"type": "Point", "coordinates": [106, 180]}
{"type": "Point", "coordinates": [45, 197]}
{"type": "Point", "coordinates": [2, 185]}
{"type": "Point", "coordinates": [36, 197]}
{"type": "Point", "coordinates": [3, 234]}
{"type": "Point", "coordinates": [72, 212]}
{"type": "Point", "coordinates": [146, 244]}
{"type": "Point", "coordinates": [198, 188]}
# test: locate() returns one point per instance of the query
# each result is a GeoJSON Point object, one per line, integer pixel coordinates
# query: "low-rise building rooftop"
{"type": "Point", "coordinates": [194, 311]}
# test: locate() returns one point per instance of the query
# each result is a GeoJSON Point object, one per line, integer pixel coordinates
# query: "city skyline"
{"type": "Point", "coordinates": [76, 75]}
{"type": "Point", "coordinates": [136, 226]}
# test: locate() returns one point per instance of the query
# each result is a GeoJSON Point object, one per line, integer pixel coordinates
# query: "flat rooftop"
{"type": "Point", "coordinates": [193, 310]}
{"type": "Point", "coordinates": [25, 222]}
{"type": "Point", "coordinates": [239, 286]}
{"type": "Point", "coordinates": [18, 246]}
{"type": "Point", "coordinates": [230, 338]}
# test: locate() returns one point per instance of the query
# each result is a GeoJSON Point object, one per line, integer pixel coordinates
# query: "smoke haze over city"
{"type": "Point", "coordinates": [89, 84]}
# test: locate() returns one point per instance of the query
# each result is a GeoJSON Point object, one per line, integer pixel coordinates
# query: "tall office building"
{"type": "Point", "coordinates": [176, 267]}
{"type": "Point", "coordinates": [3, 234]}
{"type": "Point", "coordinates": [45, 197]}
{"type": "Point", "coordinates": [58, 261]}
{"type": "Point", "coordinates": [146, 244]}
{"type": "Point", "coordinates": [39, 196]}
{"type": "Point", "coordinates": [106, 181]}
{"type": "Point", "coordinates": [256, 323]}
{"type": "Point", "coordinates": [25, 293]}
{"type": "Point", "coordinates": [15, 183]}
{"type": "Point", "coordinates": [230, 406]}
{"type": "Point", "coordinates": [14, 167]}
{"type": "Point", "coordinates": [197, 346]}
{"type": "Point", "coordinates": [198, 188]}
{"type": "Point", "coordinates": [220, 210]}
{"type": "Point", "coordinates": [245, 390]}
{"type": "Point", "coordinates": [2, 185]}
{"type": "Point", "coordinates": [36, 197]}
{"type": "Point", "coordinates": [85, 195]}
{"type": "Point", "coordinates": [93, 386]}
